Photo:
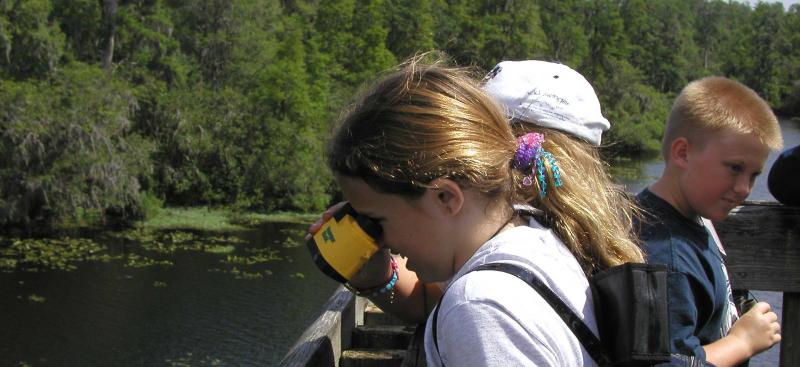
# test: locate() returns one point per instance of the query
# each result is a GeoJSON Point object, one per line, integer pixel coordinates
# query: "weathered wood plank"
{"type": "Point", "coordinates": [373, 358]}
{"type": "Point", "coordinates": [762, 241]}
{"type": "Point", "coordinates": [790, 330]}
{"type": "Point", "coordinates": [415, 354]}
{"type": "Point", "coordinates": [322, 343]}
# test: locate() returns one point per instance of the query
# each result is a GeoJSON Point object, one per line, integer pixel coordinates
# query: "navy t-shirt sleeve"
{"type": "Point", "coordinates": [683, 315]}
{"type": "Point", "coordinates": [685, 290]}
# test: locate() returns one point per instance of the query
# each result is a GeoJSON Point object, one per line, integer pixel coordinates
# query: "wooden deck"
{"type": "Point", "coordinates": [351, 332]}
{"type": "Point", "coordinates": [762, 241]}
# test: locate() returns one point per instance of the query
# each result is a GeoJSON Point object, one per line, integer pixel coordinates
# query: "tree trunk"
{"type": "Point", "coordinates": [109, 25]}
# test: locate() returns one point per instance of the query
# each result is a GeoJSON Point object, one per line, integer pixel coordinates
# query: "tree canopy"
{"type": "Point", "coordinates": [223, 102]}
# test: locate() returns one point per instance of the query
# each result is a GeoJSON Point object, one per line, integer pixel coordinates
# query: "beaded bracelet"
{"type": "Point", "coordinates": [381, 289]}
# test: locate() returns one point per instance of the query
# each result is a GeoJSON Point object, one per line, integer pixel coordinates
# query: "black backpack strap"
{"type": "Point", "coordinates": [573, 321]}
{"type": "Point", "coordinates": [433, 325]}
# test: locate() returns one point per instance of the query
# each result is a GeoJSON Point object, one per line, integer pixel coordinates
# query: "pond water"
{"type": "Point", "coordinates": [236, 299]}
{"type": "Point", "coordinates": [201, 311]}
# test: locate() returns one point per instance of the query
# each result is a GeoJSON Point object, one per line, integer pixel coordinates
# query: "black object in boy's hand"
{"type": "Point", "coordinates": [743, 300]}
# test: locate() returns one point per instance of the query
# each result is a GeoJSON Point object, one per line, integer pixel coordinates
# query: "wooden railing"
{"type": "Point", "coordinates": [322, 343]}
{"type": "Point", "coordinates": [762, 241]}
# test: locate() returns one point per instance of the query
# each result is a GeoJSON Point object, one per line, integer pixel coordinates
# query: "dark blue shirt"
{"type": "Point", "coordinates": [696, 283]}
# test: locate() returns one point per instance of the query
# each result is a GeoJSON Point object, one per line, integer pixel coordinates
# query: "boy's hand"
{"type": "Point", "coordinates": [758, 329]}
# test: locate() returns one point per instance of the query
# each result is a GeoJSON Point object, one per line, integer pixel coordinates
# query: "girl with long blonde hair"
{"type": "Point", "coordinates": [431, 157]}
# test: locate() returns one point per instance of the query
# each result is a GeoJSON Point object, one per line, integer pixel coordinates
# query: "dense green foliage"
{"type": "Point", "coordinates": [109, 108]}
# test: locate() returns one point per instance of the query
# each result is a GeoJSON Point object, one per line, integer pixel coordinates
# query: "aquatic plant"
{"type": "Point", "coordinates": [150, 248]}
{"type": "Point", "coordinates": [7, 265]}
{"type": "Point", "coordinates": [244, 274]}
{"type": "Point", "coordinates": [219, 249]}
{"type": "Point", "coordinates": [137, 261]}
{"type": "Point", "coordinates": [256, 256]}
{"type": "Point", "coordinates": [50, 253]}
{"type": "Point", "coordinates": [36, 298]}
{"type": "Point", "coordinates": [189, 360]}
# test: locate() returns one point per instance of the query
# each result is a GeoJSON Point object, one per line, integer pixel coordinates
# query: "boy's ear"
{"type": "Point", "coordinates": [448, 195]}
{"type": "Point", "coordinates": [679, 152]}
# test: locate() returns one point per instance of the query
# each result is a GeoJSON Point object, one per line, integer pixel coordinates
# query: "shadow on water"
{"type": "Point", "coordinates": [173, 298]}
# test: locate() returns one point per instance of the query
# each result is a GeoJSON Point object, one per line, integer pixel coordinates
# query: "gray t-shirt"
{"type": "Point", "coordinates": [490, 318]}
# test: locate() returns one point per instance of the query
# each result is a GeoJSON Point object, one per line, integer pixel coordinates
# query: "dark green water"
{"type": "Point", "coordinates": [198, 311]}
{"type": "Point", "coordinates": [194, 313]}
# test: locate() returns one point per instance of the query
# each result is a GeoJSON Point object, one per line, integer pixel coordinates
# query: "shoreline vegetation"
{"type": "Point", "coordinates": [218, 219]}
{"type": "Point", "coordinates": [112, 109]}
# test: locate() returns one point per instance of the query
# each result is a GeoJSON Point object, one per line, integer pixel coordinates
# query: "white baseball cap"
{"type": "Point", "coordinates": [549, 95]}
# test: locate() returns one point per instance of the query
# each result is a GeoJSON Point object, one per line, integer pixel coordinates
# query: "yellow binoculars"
{"type": "Point", "coordinates": [344, 243]}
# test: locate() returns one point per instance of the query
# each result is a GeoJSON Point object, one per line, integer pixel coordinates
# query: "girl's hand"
{"type": "Point", "coordinates": [758, 329]}
{"type": "Point", "coordinates": [327, 214]}
{"type": "Point", "coordinates": [375, 272]}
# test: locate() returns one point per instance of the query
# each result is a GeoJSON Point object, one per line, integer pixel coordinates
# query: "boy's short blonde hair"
{"type": "Point", "coordinates": [713, 104]}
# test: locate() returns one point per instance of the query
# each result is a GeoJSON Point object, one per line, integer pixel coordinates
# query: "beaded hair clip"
{"type": "Point", "coordinates": [529, 159]}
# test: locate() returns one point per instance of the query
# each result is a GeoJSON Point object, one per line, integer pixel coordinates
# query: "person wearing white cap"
{"type": "Point", "coordinates": [548, 95]}
{"type": "Point", "coordinates": [557, 101]}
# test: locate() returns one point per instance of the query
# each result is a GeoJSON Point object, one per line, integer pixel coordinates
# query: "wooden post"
{"type": "Point", "coordinates": [763, 245]}
{"type": "Point", "coordinates": [790, 330]}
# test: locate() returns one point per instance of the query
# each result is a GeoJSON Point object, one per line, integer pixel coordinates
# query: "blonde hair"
{"type": "Point", "coordinates": [427, 121]}
{"type": "Point", "coordinates": [590, 213]}
{"type": "Point", "coordinates": [423, 122]}
{"type": "Point", "coordinates": [715, 104]}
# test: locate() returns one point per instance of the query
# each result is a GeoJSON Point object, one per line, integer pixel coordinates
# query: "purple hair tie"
{"type": "Point", "coordinates": [529, 159]}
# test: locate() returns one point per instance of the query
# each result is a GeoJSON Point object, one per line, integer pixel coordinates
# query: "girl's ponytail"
{"type": "Point", "coordinates": [579, 201]}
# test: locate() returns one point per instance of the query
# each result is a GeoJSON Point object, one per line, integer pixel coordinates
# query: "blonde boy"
{"type": "Point", "coordinates": [717, 138]}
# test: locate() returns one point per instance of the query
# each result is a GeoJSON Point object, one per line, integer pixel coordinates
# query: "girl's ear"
{"type": "Point", "coordinates": [448, 196]}
{"type": "Point", "coordinates": [679, 152]}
